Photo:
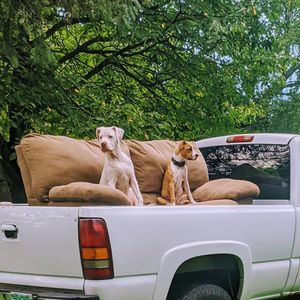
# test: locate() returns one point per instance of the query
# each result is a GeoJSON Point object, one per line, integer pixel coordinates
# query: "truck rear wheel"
{"type": "Point", "coordinates": [204, 291]}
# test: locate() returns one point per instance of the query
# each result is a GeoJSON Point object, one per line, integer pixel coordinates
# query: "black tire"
{"type": "Point", "coordinates": [204, 291]}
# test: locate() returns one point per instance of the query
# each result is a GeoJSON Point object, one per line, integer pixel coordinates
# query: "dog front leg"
{"type": "Point", "coordinates": [187, 189]}
{"type": "Point", "coordinates": [135, 188]}
{"type": "Point", "coordinates": [172, 192]}
{"type": "Point", "coordinates": [111, 182]}
{"type": "Point", "coordinates": [103, 179]}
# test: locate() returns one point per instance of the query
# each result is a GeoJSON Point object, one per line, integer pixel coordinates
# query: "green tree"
{"type": "Point", "coordinates": [30, 83]}
{"type": "Point", "coordinates": [159, 69]}
{"type": "Point", "coordinates": [284, 109]}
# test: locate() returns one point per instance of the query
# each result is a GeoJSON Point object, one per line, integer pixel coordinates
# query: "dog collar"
{"type": "Point", "coordinates": [178, 163]}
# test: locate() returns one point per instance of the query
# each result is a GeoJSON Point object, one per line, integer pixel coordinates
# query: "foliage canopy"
{"type": "Point", "coordinates": [158, 68]}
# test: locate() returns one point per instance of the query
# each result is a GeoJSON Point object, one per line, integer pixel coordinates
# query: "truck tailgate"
{"type": "Point", "coordinates": [40, 241]}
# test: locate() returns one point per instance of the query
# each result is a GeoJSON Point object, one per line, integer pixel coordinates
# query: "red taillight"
{"type": "Point", "coordinates": [240, 139]}
{"type": "Point", "coordinates": [95, 249]}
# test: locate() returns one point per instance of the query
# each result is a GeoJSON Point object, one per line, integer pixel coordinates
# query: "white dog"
{"type": "Point", "coordinates": [118, 171]}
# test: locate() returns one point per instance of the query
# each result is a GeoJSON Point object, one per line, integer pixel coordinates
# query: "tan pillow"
{"type": "Point", "coordinates": [217, 202]}
{"type": "Point", "coordinates": [150, 160]}
{"type": "Point", "coordinates": [58, 160]}
{"type": "Point", "coordinates": [150, 199]}
{"type": "Point", "coordinates": [88, 192]}
{"type": "Point", "coordinates": [226, 189]}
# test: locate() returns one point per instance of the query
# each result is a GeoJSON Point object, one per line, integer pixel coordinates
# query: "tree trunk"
{"type": "Point", "coordinates": [11, 183]}
{"type": "Point", "coordinates": [4, 189]}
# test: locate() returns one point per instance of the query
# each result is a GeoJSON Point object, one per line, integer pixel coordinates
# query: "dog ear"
{"type": "Point", "coordinates": [119, 132]}
{"type": "Point", "coordinates": [180, 147]}
{"type": "Point", "coordinates": [98, 130]}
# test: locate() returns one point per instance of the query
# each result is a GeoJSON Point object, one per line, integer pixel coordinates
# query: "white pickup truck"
{"type": "Point", "coordinates": [246, 251]}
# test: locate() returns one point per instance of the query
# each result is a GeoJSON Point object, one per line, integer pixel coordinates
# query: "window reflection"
{"type": "Point", "coordinates": [268, 166]}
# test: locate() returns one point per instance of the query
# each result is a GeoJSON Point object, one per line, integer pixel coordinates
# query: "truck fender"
{"type": "Point", "coordinates": [176, 256]}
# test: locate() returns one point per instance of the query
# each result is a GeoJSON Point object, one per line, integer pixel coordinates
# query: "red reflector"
{"type": "Point", "coordinates": [240, 139]}
{"type": "Point", "coordinates": [94, 274]}
{"type": "Point", "coordinates": [93, 233]}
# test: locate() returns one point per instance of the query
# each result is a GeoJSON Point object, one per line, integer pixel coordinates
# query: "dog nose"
{"type": "Point", "coordinates": [196, 155]}
{"type": "Point", "coordinates": [103, 144]}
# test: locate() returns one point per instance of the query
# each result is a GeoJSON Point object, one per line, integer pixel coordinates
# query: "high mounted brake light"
{"type": "Point", "coordinates": [240, 139]}
{"type": "Point", "coordinates": [95, 249]}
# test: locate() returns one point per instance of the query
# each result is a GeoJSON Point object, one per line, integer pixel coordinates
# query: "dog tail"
{"type": "Point", "coordinates": [162, 201]}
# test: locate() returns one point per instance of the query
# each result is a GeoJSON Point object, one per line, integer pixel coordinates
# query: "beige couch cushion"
{"type": "Point", "coordinates": [150, 160]}
{"type": "Point", "coordinates": [59, 160]}
{"type": "Point", "coordinates": [88, 192]}
{"type": "Point", "coordinates": [217, 202]}
{"type": "Point", "coordinates": [226, 189]}
{"type": "Point", "coordinates": [150, 199]}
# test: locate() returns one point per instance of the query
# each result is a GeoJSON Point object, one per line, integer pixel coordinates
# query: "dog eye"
{"type": "Point", "coordinates": [110, 136]}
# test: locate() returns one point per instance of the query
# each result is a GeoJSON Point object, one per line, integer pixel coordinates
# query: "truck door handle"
{"type": "Point", "coordinates": [10, 231]}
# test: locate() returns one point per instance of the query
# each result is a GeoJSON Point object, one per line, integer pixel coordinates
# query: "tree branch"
{"type": "Point", "coordinates": [98, 51]}
{"type": "Point", "coordinates": [83, 47]}
{"type": "Point", "coordinates": [96, 70]}
{"type": "Point", "coordinates": [109, 60]}
{"type": "Point", "coordinates": [62, 23]}
{"type": "Point", "coordinates": [139, 81]}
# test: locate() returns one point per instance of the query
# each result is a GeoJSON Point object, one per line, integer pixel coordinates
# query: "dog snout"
{"type": "Point", "coordinates": [104, 146]}
{"type": "Point", "coordinates": [195, 156]}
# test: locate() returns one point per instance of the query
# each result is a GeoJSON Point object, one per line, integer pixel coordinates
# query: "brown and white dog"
{"type": "Point", "coordinates": [175, 187]}
{"type": "Point", "coordinates": [118, 171]}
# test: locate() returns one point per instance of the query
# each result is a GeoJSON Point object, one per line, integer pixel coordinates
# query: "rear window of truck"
{"type": "Point", "coordinates": [268, 166]}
